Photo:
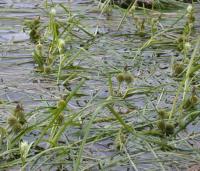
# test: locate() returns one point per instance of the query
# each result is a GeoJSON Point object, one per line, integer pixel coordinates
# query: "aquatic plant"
{"type": "Point", "coordinates": [17, 119]}
{"type": "Point", "coordinates": [34, 26]}
{"type": "Point", "coordinates": [93, 114]}
{"type": "Point", "coordinates": [24, 150]}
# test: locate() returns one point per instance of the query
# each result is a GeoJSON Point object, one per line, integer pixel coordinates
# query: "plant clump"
{"type": "Point", "coordinates": [126, 77]}
{"type": "Point", "coordinates": [183, 41]}
{"type": "Point", "coordinates": [190, 102]}
{"type": "Point", "coordinates": [163, 125]}
{"type": "Point", "coordinates": [34, 26]}
{"type": "Point", "coordinates": [17, 119]}
{"type": "Point", "coordinates": [178, 69]}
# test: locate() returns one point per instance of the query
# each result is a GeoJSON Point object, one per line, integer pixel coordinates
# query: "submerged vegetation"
{"type": "Point", "coordinates": [128, 93]}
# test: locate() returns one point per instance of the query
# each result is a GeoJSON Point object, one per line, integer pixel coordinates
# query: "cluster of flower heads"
{"type": "Point", "coordinates": [17, 120]}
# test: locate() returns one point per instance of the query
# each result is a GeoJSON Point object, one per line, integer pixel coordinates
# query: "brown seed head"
{"type": "Point", "coordinates": [169, 129]}
{"type": "Point", "coordinates": [120, 77]}
{"type": "Point", "coordinates": [12, 120]}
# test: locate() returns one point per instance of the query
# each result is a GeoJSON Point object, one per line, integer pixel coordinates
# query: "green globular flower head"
{"type": "Point", "coordinates": [194, 99]}
{"type": "Point", "coordinates": [19, 114]}
{"type": "Point", "coordinates": [12, 120]}
{"type": "Point", "coordinates": [17, 127]}
{"type": "Point", "coordinates": [60, 119]}
{"type": "Point", "coordinates": [163, 114]}
{"type": "Point", "coordinates": [161, 125]}
{"type": "Point", "coordinates": [53, 11]}
{"type": "Point", "coordinates": [190, 8]}
{"type": "Point", "coordinates": [178, 68]}
{"type": "Point", "coordinates": [61, 44]}
{"type": "Point", "coordinates": [61, 103]}
{"type": "Point", "coordinates": [128, 78]}
{"type": "Point", "coordinates": [169, 129]}
{"type": "Point", "coordinates": [120, 77]}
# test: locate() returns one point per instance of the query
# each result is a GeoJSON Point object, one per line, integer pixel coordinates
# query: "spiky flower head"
{"type": "Point", "coordinates": [60, 119]}
{"type": "Point", "coordinates": [12, 120]}
{"type": "Point", "coordinates": [161, 125]}
{"type": "Point", "coordinates": [53, 11]}
{"type": "Point", "coordinates": [178, 68]}
{"type": "Point", "coordinates": [61, 103]}
{"type": "Point", "coordinates": [163, 114]}
{"type": "Point", "coordinates": [194, 99]}
{"type": "Point", "coordinates": [120, 77]}
{"type": "Point", "coordinates": [61, 44]}
{"type": "Point", "coordinates": [17, 127]}
{"type": "Point", "coordinates": [24, 149]}
{"type": "Point", "coordinates": [187, 46]}
{"type": "Point", "coordinates": [190, 8]}
{"type": "Point", "coordinates": [169, 129]}
{"type": "Point", "coordinates": [128, 77]}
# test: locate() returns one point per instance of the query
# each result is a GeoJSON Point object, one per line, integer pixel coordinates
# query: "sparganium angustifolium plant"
{"type": "Point", "coordinates": [61, 44]}
{"type": "Point", "coordinates": [17, 119]}
{"type": "Point", "coordinates": [24, 148]}
{"type": "Point", "coordinates": [183, 40]}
